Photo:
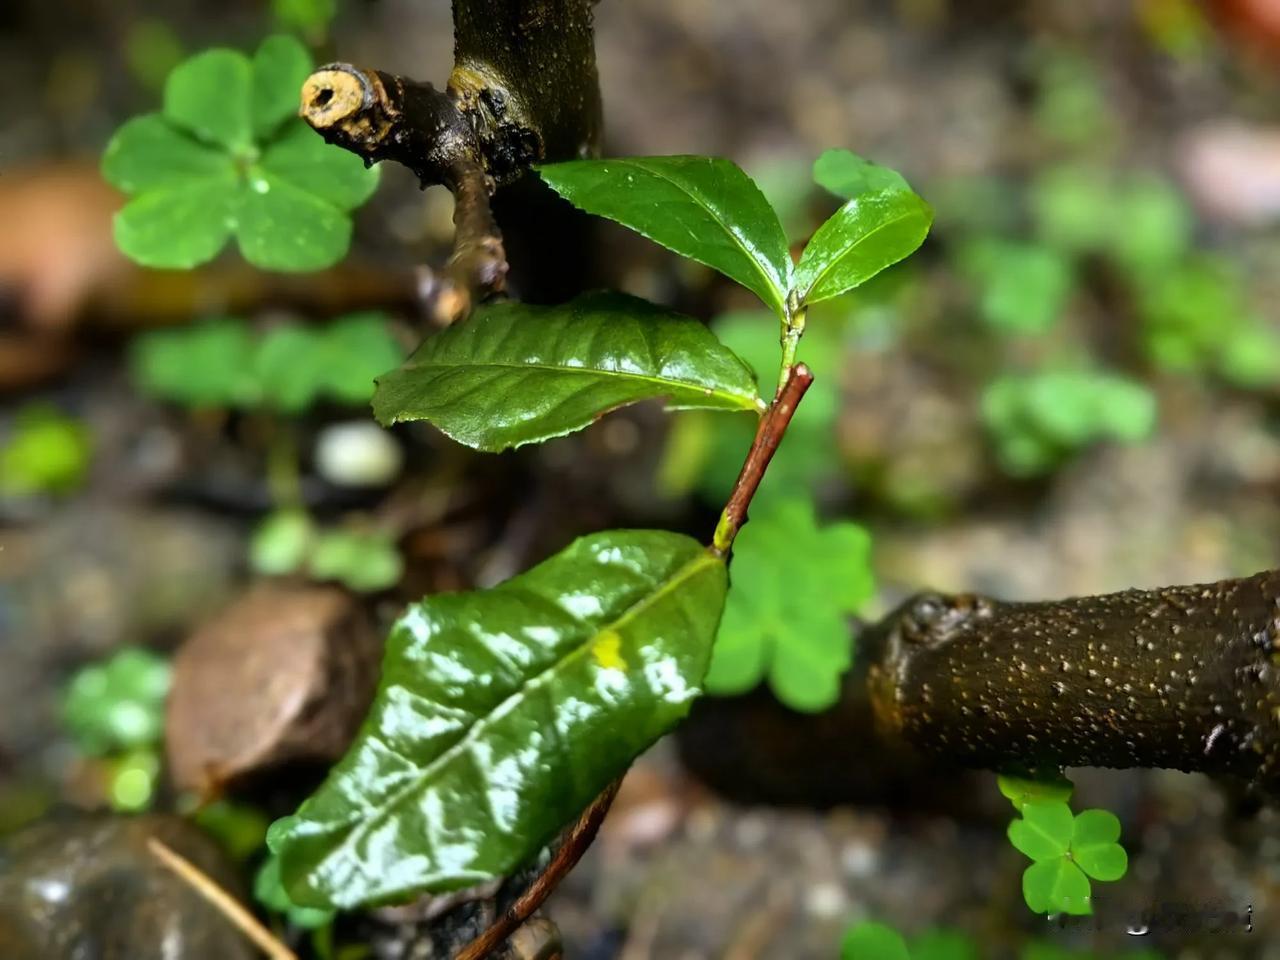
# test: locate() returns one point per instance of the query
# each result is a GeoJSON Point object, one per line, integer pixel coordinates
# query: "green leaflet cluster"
{"type": "Point", "coordinates": [223, 363]}
{"type": "Point", "coordinates": [227, 156]}
{"type": "Point", "coordinates": [1067, 850]}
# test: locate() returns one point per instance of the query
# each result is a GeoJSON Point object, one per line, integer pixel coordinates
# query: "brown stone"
{"type": "Point", "coordinates": [284, 675]}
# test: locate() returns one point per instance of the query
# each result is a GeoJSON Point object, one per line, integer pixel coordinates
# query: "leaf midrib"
{"type": "Point", "coordinates": [851, 247]}
{"type": "Point", "coordinates": [744, 401]}
{"type": "Point", "coordinates": [770, 282]}
{"type": "Point", "coordinates": [686, 571]}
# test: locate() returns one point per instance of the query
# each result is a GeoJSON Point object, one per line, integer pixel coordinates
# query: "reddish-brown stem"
{"type": "Point", "coordinates": [773, 427]}
{"type": "Point", "coordinates": [575, 843]}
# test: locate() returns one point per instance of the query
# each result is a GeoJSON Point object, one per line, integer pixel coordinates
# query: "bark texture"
{"type": "Point", "coordinates": [523, 90]}
{"type": "Point", "coordinates": [1180, 677]}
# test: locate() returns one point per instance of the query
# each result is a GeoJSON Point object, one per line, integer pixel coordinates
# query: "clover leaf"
{"type": "Point", "coordinates": [364, 562]}
{"type": "Point", "coordinates": [227, 156]}
{"type": "Point", "coordinates": [1067, 850]}
{"type": "Point", "coordinates": [47, 452]}
{"type": "Point", "coordinates": [792, 586]}
{"type": "Point", "coordinates": [873, 941]}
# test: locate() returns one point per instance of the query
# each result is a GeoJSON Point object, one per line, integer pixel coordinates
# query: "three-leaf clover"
{"type": "Point", "coordinates": [119, 704]}
{"type": "Point", "coordinates": [227, 156]}
{"type": "Point", "coordinates": [1067, 851]}
{"type": "Point", "coordinates": [793, 585]}
{"type": "Point", "coordinates": [288, 541]}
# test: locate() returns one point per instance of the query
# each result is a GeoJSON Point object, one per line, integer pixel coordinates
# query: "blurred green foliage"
{"type": "Point", "coordinates": [117, 704]}
{"type": "Point", "coordinates": [288, 541]}
{"type": "Point", "coordinates": [269, 891]}
{"type": "Point", "coordinates": [46, 452]}
{"type": "Point", "coordinates": [793, 585]}
{"type": "Point", "coordinates": [869, 940]}
{"type": "Point", "coordinates": [222, 363]}
{"type": "Point", "coordinates": [1038, 421]}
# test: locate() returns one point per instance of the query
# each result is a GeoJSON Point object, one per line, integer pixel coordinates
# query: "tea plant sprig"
{"type": "Point", "coordinates": [502, 713]}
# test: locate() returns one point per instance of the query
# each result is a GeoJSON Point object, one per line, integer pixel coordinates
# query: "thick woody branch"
{"type": "Point", "coordinates": [523, 90]}
{"type": "Point", "coordinates": [1180, 677]}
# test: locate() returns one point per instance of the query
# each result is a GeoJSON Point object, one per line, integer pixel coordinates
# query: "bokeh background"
{"type": "Point", "coordinates": [1073, 388]}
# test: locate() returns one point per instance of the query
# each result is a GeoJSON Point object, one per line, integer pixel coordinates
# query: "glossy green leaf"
{"type": "Point", "coordinates": [117, 704]}
{"type": "Point", "coordinates": [280, 66]}
{"type": "Point", "coordinates": [501, 714]}
{"type": "Point", "coordinates": [863, 237]}
{"type": "Point", "coordinates": [1056, 886]}
{"type": "Point", "coordinates": [793, 586]}
{"type": "Point", "coordinates": [704, 208]}
{"type": "Point", "coordinates": [1094, 845]}
{"type": "Point", "coordinates": [873, 941]}
{"type": "Point", "coordinates": [516, 373]}
{"type": "Point", "coordinates": [210, 95]}
{"type": "Point", "coordinates": [1044, 830]}
{"type": "Point", "coordinates": [1018, 790]}
{"type": "Point", "coordinates": [848, 175]}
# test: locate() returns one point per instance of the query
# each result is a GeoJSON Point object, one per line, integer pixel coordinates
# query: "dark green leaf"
{"type": "Point", "coordinates": [873, 941]}
{"type": "Point", "coordinates": [794, 585]}
{"type": "Point", "coordinates": [1044, 830]}
{"type": "Point", "coordinates": [1056, 886]}
{"type": "Point", "coordinates": [210, 96]}
{"type": "Point", "coordinates": [863, 237]}
{"type": "Point", "coordinates": [280, 66]}
{"type": "Point", "coordinates": [848, 175]}
{"type": "Point", "coordinates": [515, 373]}
{"type": "Point", "coordinates": [704, 208]}
{"type": "Point", "coordinates": [501, 714]}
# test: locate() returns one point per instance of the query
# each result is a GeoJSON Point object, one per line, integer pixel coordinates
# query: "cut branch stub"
{"type": "Point", "coordinates": [1180, 677]}
{"type": "Point", "coordinates": [381, 117]}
